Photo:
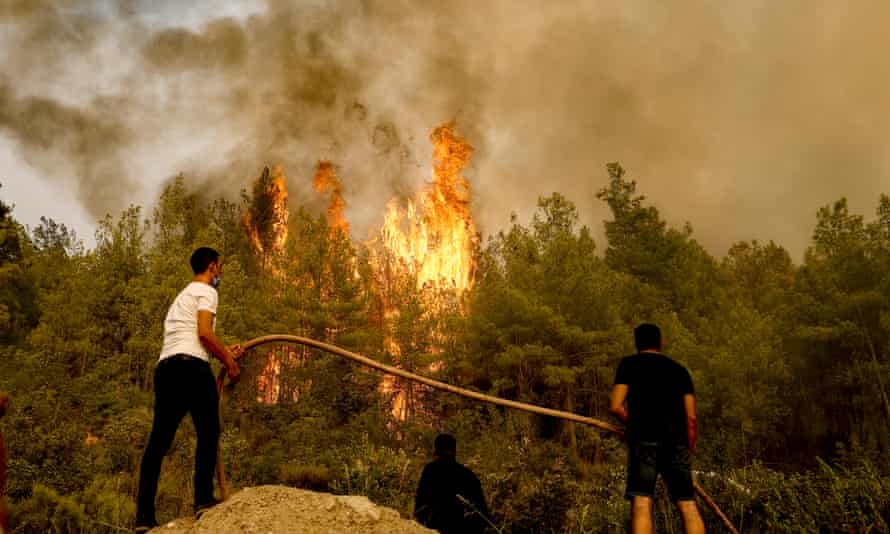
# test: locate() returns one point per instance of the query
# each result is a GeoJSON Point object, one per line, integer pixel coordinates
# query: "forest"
{"type": "Point", "coordinates": [790, 360]}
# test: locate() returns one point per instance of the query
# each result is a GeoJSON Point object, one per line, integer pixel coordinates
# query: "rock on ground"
{"type": "Point", "coordinates": [279, 510]}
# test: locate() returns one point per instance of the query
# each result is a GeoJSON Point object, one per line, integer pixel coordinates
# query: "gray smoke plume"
{"type": "Point", "coordinates": [741, 118]}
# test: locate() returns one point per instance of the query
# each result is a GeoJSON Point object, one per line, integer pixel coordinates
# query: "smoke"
{"type": "Point", "coordinates": [742, 119]}
{"type": "Point", "coordinates": [89, 141]}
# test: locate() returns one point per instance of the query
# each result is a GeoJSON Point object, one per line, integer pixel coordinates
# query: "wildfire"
{"type": "Point", "coordinates": [431, 238]}
{"type": "Point", "coordinates": [267, 214]}
{"type": "Point", "coordinates": [326, 178]}
{"type": "Point", "coordinates": [434, 236]}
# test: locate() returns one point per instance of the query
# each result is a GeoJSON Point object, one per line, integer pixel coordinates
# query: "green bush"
{"type": "Point", "coordinates": [378, 472]}
{"type": "Point", "coordinates": [48, 511]}
{"type": "Point", "coordinates": [600, 505]}
{"type": "Point", "coordinates": [21, 477]}
{"type": "Point", "coordinates": [122, 441]}
{"type": "Point", "coordinates": [107, 500]}
{"type": "Point", "coordinates": [850, 497]}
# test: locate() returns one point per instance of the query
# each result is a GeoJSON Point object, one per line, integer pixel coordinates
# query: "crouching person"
{"type": "Point", "coordinates": [449, 495]}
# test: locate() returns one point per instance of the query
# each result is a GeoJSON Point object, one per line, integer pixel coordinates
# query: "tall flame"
{"type": "Point", "coordinates": [326, 178]}
{"type": "Point", "coordinates": [434, 236]}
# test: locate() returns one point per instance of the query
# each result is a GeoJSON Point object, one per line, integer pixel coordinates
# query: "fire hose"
{"type": "Point", "coordinates": [442, 386]}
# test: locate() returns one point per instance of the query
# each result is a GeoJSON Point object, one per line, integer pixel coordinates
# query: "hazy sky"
{"type": "Point", "coordinates": [739, 117]}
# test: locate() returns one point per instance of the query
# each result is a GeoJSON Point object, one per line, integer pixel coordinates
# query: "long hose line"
{"type": "Point", "coordinates": [442, 386]}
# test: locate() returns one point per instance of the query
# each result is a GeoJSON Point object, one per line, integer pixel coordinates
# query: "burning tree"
{"type": "Point", "coordinates": [266, 217]}
{"type": "Point", "coordinates": [429, 242]}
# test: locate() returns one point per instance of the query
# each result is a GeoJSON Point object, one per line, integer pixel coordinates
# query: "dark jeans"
{"type": "Point", "coordinates": [182, 384]}
{"type": "Point", "coordinates": [646, 459]}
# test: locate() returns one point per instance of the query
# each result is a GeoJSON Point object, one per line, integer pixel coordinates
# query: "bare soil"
{"type": "Point", "coordinates": [280, 509]}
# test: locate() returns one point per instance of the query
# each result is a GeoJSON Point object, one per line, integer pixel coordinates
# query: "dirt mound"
{"type": "Point", "coordinates": [279, 509]}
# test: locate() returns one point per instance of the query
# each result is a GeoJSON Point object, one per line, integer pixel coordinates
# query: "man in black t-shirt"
{"type": "Point", "coordinates": [653, 395]}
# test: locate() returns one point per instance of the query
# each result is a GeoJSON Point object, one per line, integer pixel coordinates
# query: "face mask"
{"type": "Point", "coordinates": [215, 281]}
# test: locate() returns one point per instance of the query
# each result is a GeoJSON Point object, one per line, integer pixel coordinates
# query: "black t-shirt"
{"type": "Point", "coordinates": [656, 386]}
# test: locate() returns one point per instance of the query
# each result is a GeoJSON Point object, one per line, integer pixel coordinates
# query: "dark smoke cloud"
{"type": "Point", "coordinates": [740, 118]}
{"type": "Point", "coordinates": [221, 45]}
{"type": "Point", "coordinates": [90, 141]}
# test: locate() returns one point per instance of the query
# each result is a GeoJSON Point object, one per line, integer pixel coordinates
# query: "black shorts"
{"type": "Point", "coordinates": [646, 459]}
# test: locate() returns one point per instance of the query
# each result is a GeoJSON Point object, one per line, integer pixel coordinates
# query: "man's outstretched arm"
{"type": "Point", "coordinates": [691, 421]}
{"type": "Point", "coordinates": [618, 406]}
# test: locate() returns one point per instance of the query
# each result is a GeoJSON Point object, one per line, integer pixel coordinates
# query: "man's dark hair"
{"type": "Point", "coordinates": [647, 336]}
{"type": "Point", "coordinates": [445, 444]}
{"type": "Point", "coordinates": [202, 258]}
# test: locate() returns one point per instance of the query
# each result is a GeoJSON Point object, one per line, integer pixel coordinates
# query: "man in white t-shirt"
{"type": "Point", "coordinates": [184, 384]}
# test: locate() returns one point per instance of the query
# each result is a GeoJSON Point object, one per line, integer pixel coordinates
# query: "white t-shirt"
{"type": "Point", "coordinates": [181, 324]}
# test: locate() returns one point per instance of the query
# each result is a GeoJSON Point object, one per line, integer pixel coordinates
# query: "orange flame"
{"type": "Point", "coordinates": [434, 236]}
{"type": "Point", "coordinates": [326, 178]}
